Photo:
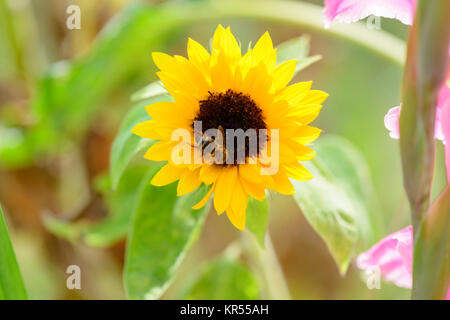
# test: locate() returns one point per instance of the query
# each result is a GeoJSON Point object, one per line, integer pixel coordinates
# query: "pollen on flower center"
{"type": "Point", "coordinates": [231, 110]}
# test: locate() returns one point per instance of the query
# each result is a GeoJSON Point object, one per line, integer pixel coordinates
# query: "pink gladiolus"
{"type": "Point", "coordinates": [445, 123]}
{"type": "Point", "coordinates": [391, 119]}
{"type": "Point", "coordinates": [393, 256]}
{"type": "Point", "coordinates": [391, 122]}
{"type": "Point", "coordinates": [353, 10]}
{"type": "Point", "coordinates": [442, 123]}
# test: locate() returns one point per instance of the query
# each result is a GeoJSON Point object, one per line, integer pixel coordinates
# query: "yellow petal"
{"type": "Point", "coordinates": [224, 188]}
{"type": "Point", "coordinates": [205, 199]}
{"type": "Point", "coordinates": [209, 173]}
{"type": "Point", "coordinates": [291, 150]}
{"type": "Point", "coordinates": [217, 38]}
{"type": "Point", "coordinates": [160, 151]}
{"type": "Point", "coordinates": [168, 174]}
{"type": "Point", "coordinates": [168, 112]}
{"type": "Point", "coordinates": [159, 130]}
{"type": "Point", "coordinates": [283, 74]}
{"type": "Point", "coordinates": [170, 82]}
{"type": "Point", "coordinates": [254, 190]}
{"type": "Point", "coordinates": [163, 61]}
{"type": "Point", "coordinates": [144, 129]}
{"type": "Point", "coordinates": [198, 55]}
{"type": "Point", "coordinates": [191, 75]}
{"type": "Point", "coordinates": [238, 206]}
{"type": "Point", "coordinates": [250, 172]}
{"type": "Point", "coordinates": [160, 109]}
{"type": "Point", "coordinates": [282, 184]}
{"type": "Point", "coordinates": [224, 43]}
{"type": "Point", "coordinates": [305, 113]}
{"type": "Point", "coordinates": [287, 152]}
{"type": "Point", "coordinates": [295, 92]}
{"type": "Point", "coordinates": [306, 134]}
{"type": "Point", "coordinates": [222, 77]}
{"type": "Point", "coordinates": [257, 84]}
{"type": "Point", "coordinates": [183, 79]}
{"type": "Point", "coordinates": [245, 64]}
{"type": "Point", "coordinates": [189, 181]}
{"type": "Point", "coordinates": [239, 199]}
{"type": "Point", "coordinates": [315, 97]}
{"type": "Point", "coordinates": [304, 153]}
{"type": "Point", "coordinates": [262, 48]}
{"type": "Point", "coordinates": [231, 46]}
{"type": "Point", "coordinates": [297, 171]}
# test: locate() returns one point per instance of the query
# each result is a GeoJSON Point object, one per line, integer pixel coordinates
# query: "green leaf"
{"type": "Point", "coordinates": [11, 283]}
{"type": "Point", "coordinates": [351, 171]}
{"type": "Point", "coordinates": [334, 201]}
{"type": "Point", "coordinates": [155, 88]}
{"type": "Point", "coordinates": [126, 144]}
{"type": "Point", "coordinates": [222, 279]}
{"type": "Point", "coordinates": [257, 218]}
{"type": "Point", "coordinates": [164, 228]}
{"type": "Point", "coordinates": [297, 49]}
{"type": "Point", "coordinates": [306, 62]}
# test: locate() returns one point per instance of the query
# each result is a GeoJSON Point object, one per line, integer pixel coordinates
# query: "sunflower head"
{"type": "Point", "coordinates": [237, 125]}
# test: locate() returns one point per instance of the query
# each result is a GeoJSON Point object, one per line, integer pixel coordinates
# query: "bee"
{"type": "Point", "coordinates": [204, 140]}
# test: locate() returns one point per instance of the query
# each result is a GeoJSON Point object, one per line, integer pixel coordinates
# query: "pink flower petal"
{"type": "Point", "coordinates": [353, 10]}
{"type": "Point", "coordinates": [442, 122]}
{"type": "Point", "coordinates": [444, 115]}
{"type": "Point", "coordinates": [391, 120]}
{"type": "Point", "coordinates": [393, 255]}
{"type": "Point", "coordinates": [444, 97]}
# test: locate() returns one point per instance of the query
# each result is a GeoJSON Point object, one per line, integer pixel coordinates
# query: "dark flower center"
{"type": "Point", "coordinates": [232, 110]}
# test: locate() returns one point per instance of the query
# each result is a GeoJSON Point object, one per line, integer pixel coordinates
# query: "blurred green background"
{"type": "Point", "coordinates": [63, 94]}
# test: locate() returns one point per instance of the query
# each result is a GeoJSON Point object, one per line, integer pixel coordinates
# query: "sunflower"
{"type": "Point", "coordinates": [227, 90]}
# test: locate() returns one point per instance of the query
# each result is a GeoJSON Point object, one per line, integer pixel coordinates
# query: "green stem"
{"type": "Point", "coordinates": [424, 75]}
{"type": "Point", "coordinates": [265, 263]}
{"type": "Point", "coordinates": [432, 251]}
